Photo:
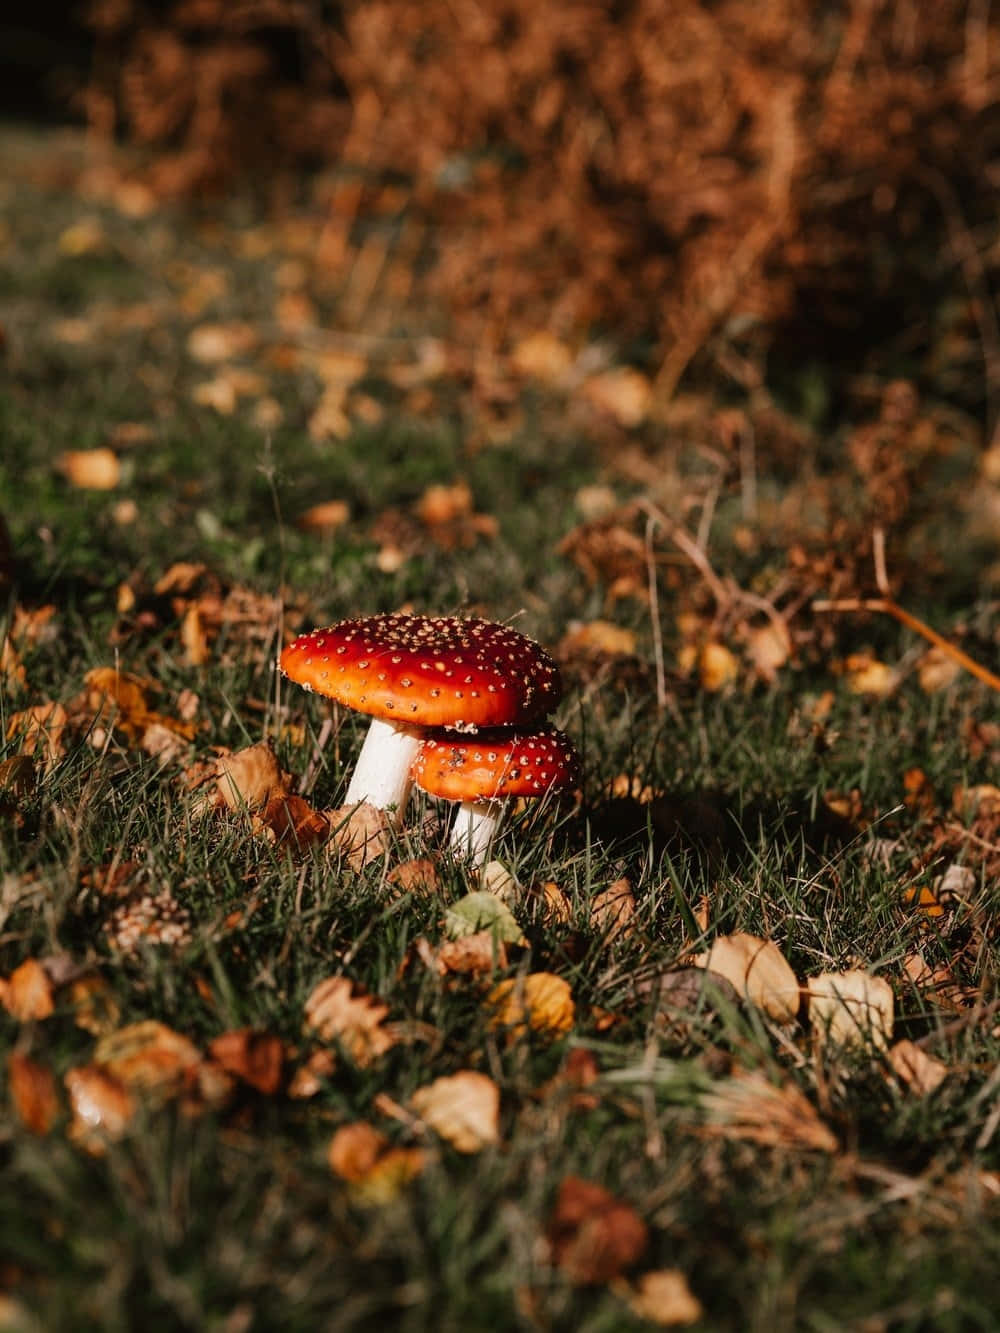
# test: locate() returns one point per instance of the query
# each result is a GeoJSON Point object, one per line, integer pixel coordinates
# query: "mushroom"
{"type": "Point", "coordinates": [413, 672]}
{"type": "Point", "coordinates": [482, 771]}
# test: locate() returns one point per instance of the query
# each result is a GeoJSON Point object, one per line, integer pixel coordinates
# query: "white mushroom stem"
{"type": "Point", "coordinates": [474, 829]}
{"type": "Point", "coordinates": [382, 774]}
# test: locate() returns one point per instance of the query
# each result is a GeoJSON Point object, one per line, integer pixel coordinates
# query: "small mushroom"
{"type": "Point", "coordinates": [481, 772]}
{"type": "Point", "coordinates": [411, 673]}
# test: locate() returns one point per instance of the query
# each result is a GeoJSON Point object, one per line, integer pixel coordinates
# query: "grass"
{"type": "Point", "coordinates": [227, 1216]}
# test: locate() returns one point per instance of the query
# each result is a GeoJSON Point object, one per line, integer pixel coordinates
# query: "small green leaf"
{"type": "Point", "coordinates": [482, 911]}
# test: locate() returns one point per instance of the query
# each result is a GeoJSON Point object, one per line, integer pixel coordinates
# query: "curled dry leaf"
{"type": "Point", "coordinates": [748, 1106]}
{"type": "Point", "coordinates": [256, 1058]}
{"type": "Point", "coordinates": [613, 909]}
{"type": "Point", "coordinates": [594, 1237]}
{"type": "Point", "coordinates": [663, 1297]}
{"type": "Point", "coordinates": [338, 1011]}
{"type": "Point", "coordinates": [32, 1092]}
{"type": "Point", "coordinates": [91, 469]}
{"type": "Point", "coordinates": [922, 1073]}
{"type": "Point", "coordinates": [418, 876]}
{"type": "Point", "coordinates": [758, 971]}
{"type": "Point", "coordinates": [851, 1009]}
{"type": "Point", "coordinates": [463, 1108]}
{"type": "Point", "coordinates": [101, 1107]}
{"type": "Point", "coordinates": [39, 731]}
{"type": "Point", "coordinates": [249, 778]}
{"type": "Point", "coordinates": [27, 996]}
{"type": "Point", "coordinates": [291, 821]}
{"type": "Point", "coordinates": [540, 1001]}
{"type": "Point", "coordinates": [482, 952]}
{"type": "Point", "coordinates": [361, 833]}
{"type": "Point", "coordinates": [149, 1058]}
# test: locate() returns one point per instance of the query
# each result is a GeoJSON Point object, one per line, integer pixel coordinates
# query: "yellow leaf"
{"type": "Point", "coordinates": [717, 667]}
{"type": "Point", "coordinates": [623, 393]}
{"type": "Point", "coordinates": [851, 1009]}
{"type": "Point", "coordinates": [663, 1297]}
{"type": "Point", "coordinates": [758, 970]}
{"type": "Point", "coordinates": [598, 637]}
{"type": "Point", "coordinates": [463, 1108]}
{"type": "Point", "coordinates": [866, 675]}
{"type": "Point", "coordinates": [921, 1072]}
{"type": "Point", "coordinates": [90, 469]}
{"type": "Point", "coordinates": [542, 356]}
{"type": "Point", "coordinates": [540, 1001]}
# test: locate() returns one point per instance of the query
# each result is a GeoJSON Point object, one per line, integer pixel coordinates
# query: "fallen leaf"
{"type": "Point", "coordinates": [612, 911]}
{"type": "Point", "coordinates": [90, 469]}
{"type": "Point", "coordinates": [623, 393]}
{"type": "Point", "coordinates": [95, 1008]}
{"type": "Point", "coordinates": [937, 670]}
{"type": "Point", "coordinates": [542, 356]}
{"type": "Point", "coordinates": [481, 952]}
{"type": "Point", "coordinates": [663, 1297]}
{"type": "Point", "coordinates": [291, 820]}
{"type": "Point", "coordinates": [256, 1058]}
{"type": "Point", "coordinates": [867, 675]}
{"type": "Point", "coordinates": [308, 1079]}
{"type": "Point", "coordinates": [214, 343]}
{"type": "Point", "coordinates": [758, 971]}
{"type": "Point", "coordinates": [39, 731]}
{"type": "Point", "coordinates": [360, 833]}
{"type": "Point", "coordinates": [851, 1009]}
{"type": "Point", "coordinates": [597, 638]}
{"type": "Point", "coordinates": [922, 1073]}
{"type": "Point", "coordinates": [749, 1106]}
{"type": "Point", "coordinates": [27, 995]}
{"type": "Point", "coordinates": [768, 648]}
{"type": "Point", "coordinates": [594, 1237]}
{"type": "Point", "coordinates": [354, 1150]}
{"type": "Point", "coordinates": [325, 517]}
{"type": "Point", "coordinates": [193, 637]}
{"type": "Point", "coordinates": [540, 1001]}
{"type": "Point", "coordinates": [418, 875]}
{"type": "Point", "coordinates": [101, 1107]}
{"type": "Point", "coordinates": [82, 238]}
{"type": "Point", "coordinates": [717, 666]}
{"type": "Point", "coordinates": [148, 1058]}
{"type": "Point", "coordinates": [32, 1092]}
{"type": "Point", "coordinates": [249, 778]}
{"type": "Point", "coordinates": [482, 911]}
{"type": "Point", "coordinates": [338, 1011]}
{"type": "Point", "coordinates": [463, 1108]}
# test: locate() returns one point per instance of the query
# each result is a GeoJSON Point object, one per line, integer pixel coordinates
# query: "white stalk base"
{"type": "Point", "coordinates": [472, 833]}
{"type": "Point", "coordinates": [382, 774]}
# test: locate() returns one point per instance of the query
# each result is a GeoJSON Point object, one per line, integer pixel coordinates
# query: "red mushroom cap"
{"type": "Point", "coordinates": [493, 764]}
{"type": "Point", "coordinates": [431, 671]}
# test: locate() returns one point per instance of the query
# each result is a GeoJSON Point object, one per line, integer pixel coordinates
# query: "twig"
{"type": "Point", "coordinates": [654, 614]}
{"type": "Point", "coordinates": [888, 607]}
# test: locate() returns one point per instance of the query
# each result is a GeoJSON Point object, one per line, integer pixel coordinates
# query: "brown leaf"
{"type": "Point", "coordinates": [597, 638]}
{"type": "Point", "coordinates": [717, 667]}
{"type": "Point", "coordinates": [922, 1073]}
{"type": "Point", "coordinates": [338, 1011]}
{"type": "Point", "coordinates": [749, 1106]}
{"type": "Point", "coordinates": [249, 778]}
{"type": "Point", "coordinates": [360, 833]}
{"type": "Point", "coordinates": [542, 356]}
{"type": "Point", "coordinates": [594, 1237]}
{"type": "Point", "coordinates": [258, 1058]}
{"type": "Point", "coordinates": [540, 1001]}
{"type": "Point", "coordinates": [193, 637]}
{"type": "Point", "coordinates": [663, 1297]}
{"type": "Point", "coordinates": [27, 995]}
{"type": "Point", "coordinates": [613, 909]}
{"type": "Point", "coordinates": [95, 1008]}
{"type": "Point", "coordinates": [480, 952]}
{"type": "Point", "coordinates": [464, 1108]}
{"type": "Point", "coordinates": [291, 820]}
{"type": "Point", "coordinates": [148, 1058]}
{"type": "Point", "coordinates": [101, 1107]}
{"type": "Point", "coordinates": [418, 876]}
{"type": "Point", "coordinates": [33, 1093]}
{"type": "Point", "coordinates": [623, 393]}
{"type": "Point", "coordinates": [39, 731]}
{"type": "Point", "coordinates": [354, 1150]}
